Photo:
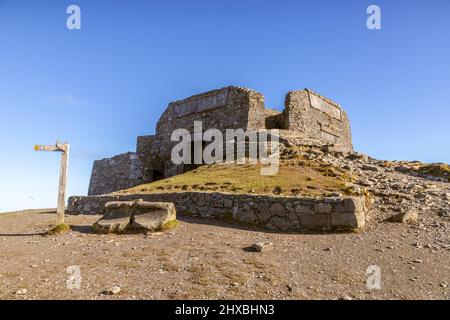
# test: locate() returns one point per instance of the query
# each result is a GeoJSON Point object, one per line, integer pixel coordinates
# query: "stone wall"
{"type": "Point", "coordinates": [119, 172]}
{"type": "Point", "coordinates": [273, 212]}
{"type": "Point", "coordinates": [226, 108]}
{"type": "Point", "coordinates": [318, 117]}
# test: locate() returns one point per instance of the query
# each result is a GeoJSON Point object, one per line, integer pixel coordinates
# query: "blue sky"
{"type": "Point", "coordinates": [102, 86]}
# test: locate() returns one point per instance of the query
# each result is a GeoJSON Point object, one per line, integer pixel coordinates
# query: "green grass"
{"type": "Point", "coordinates": [169, 225]}
{"type": "Point", "coordinates": [293, 178]}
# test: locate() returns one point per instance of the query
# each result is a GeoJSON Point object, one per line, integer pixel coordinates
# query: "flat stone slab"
{"type": "Point", "coordinates": [135, 216]}
{"type": "Point", "coordinates": [153, 215]}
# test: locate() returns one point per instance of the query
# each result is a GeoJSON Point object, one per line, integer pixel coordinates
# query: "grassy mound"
{"type": "Point", "coordinates": [293, 178]}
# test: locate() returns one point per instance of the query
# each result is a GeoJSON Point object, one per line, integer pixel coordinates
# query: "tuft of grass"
{"type": "Point", "coordinates": [60, 228]}
{"type": "Point", "coordinates": [169, 225]}
{"type": "Point", "coordinates": [441, 170]}
{"type": "Point", "coordinates": [278, 190]}
{"type": "Point", "coordinates": [436, 170]}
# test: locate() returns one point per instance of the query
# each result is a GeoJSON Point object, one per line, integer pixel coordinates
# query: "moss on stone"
{"type": "Point", "coordinates": [169, 225]}
{"type": "Point", "coordinates": [60, 228]}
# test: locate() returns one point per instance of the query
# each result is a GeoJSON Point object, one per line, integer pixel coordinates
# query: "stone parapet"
{"type": "Point", "coordinates": [273, 212]}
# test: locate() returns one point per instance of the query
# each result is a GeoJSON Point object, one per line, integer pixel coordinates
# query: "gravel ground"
{"type": "Point", "coordinates": [207, 259]}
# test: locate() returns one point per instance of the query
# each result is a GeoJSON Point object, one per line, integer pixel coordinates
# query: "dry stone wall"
{"type": "Point", "coordinates": [273, 212]}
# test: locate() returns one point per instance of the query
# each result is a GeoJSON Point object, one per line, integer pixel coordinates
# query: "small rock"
{"type": "Point", "coordinates": [417, 261]}
{"type": "Point", "coordinates": [369, 167]}
{"type": "Point", "coordinates": [405, 217]}
{"type": "Point", "coordinates": [443, 284]}
{"type": "Point", "coordinates": [112, 291]}
{"type": "Point", "coordinates": [21, 292]}
{"type": "Point", "coordinates": [417, 245]}
{"type": "Point", "coordinates": [262, 246]}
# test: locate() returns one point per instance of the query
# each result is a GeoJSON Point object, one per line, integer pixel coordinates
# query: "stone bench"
{"type": "Point", "coordinates": [136, 216]}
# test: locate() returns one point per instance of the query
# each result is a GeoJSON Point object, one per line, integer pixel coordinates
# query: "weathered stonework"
{"type": "Point", "coordinates": [308, 119]}
{"type": "Point", "coordinates": [119, 172]}
{"type": "Point", "coordinates": [273, 212]}
{"type": "Point", "coordinates": [132, 216]}
{"type": "Point", "coordinates": [318, 117]}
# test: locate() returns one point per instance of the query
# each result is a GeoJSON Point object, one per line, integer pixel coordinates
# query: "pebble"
{"type": "Point", "coordinates": [262, 246]}
{"type": "Point", "coordinates": [21, 292]}
{"type": "Point", "coordinates": [369, 167]}
{"type": "Point", "coordinates": [112, 291]}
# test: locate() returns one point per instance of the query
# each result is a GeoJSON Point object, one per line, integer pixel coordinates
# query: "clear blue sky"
{"type": "Point", "coordinates": [102, 86]}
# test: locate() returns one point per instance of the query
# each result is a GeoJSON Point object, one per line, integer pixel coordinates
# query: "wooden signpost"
{"type": "Point", "coordinates": [64, 149]}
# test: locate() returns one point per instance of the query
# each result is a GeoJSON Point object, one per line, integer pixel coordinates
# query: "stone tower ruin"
{"type": "Point", "coordinates": [307, 119]}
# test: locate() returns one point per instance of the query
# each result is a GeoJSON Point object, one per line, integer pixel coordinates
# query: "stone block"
{"type": "Point", "coordinates": [277, 209]}
{"type": "Point", "coordinates": [303, 209]}
{"type": "Point", "coordinates": [116, 219]}
{"type": "Point", "coordinates": [348, 220]}
{"type": "Point", "coordinates": [138, 215]}
{"type": "Point", "coordinates": [228, 203]}
{"type": "Point", "coordinates": [323, 208]}
{"type": "Point", "coordinates": [280, 223]}
{"type": "Point", "coordinates": [263, 215]}
{"type": "Point", "coordinates": [313, 221]}
{"type": "Point", "coordinates": [151, 216]}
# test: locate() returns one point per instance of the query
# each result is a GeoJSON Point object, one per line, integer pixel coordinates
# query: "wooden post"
{"type": "Point", "coordinates": [62, 184]}
{"type": "Point", "coordinates": [64, 149]}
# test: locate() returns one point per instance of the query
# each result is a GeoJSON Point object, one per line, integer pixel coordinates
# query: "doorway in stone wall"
{"type": "Point", "coordinates": [274, 119]}
{"type": "Point", "coordinates": [157, 175]}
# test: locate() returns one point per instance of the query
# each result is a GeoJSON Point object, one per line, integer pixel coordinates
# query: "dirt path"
{"type": "Point", "coordinates": [208, 260]}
